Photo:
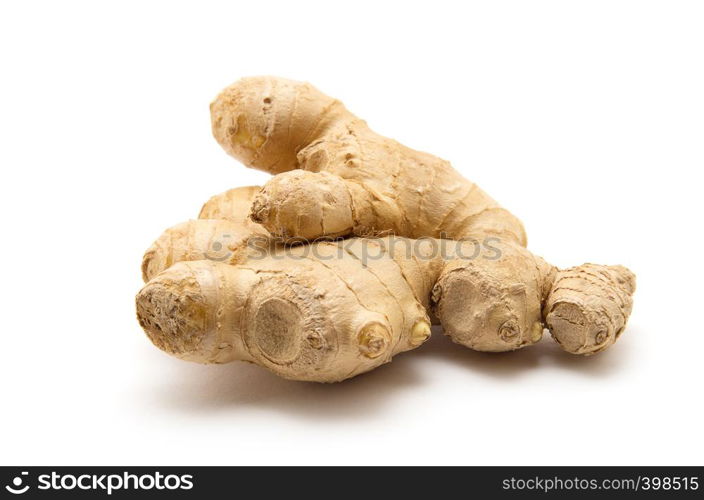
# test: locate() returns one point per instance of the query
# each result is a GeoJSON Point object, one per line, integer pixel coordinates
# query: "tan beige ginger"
{"type": "Point", "coordinates": [327, 311]}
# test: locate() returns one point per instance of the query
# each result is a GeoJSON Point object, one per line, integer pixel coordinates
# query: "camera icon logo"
{"type": "Point", "coordinates": [16, 488]}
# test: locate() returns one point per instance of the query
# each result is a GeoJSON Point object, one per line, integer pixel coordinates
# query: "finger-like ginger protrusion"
{"type": "Point", "coordinates": [184, 311]}
{"type": "Point", "coordinates": [301, 205]}
{"type": "Point", "coordinates": [321, 315]}
{"type": "Point", "coordinates": [277, 125]}
{"type": "Point", "coordinates": [203, 239]}
{"type": "Point", "coordinates": [223, 232]}
{"type": "Point", "coordinates": [233, 205]}
{"type": "Point", "coordinates": [588, 306]}
{"type": "Point", "coordinates": [492, 302]}
{"type": "Point", "coordinates": [264, 121]}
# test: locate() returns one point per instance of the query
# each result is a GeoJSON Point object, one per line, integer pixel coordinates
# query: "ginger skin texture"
{"type": "Point", "coordinates": [325, 311]}
{"type": "Point", "coordinates": [336, 177]}
{"type": "Point", "coordinates": [221, 234]}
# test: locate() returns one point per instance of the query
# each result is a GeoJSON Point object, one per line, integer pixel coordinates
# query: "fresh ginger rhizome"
{"type": "Point", "coordinates": [311, 312]}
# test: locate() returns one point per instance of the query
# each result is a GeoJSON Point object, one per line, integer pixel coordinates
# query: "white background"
{"type": "Point", "coordinates": [584, 118]}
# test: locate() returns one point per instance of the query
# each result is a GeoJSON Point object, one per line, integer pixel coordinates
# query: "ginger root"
{"type": "Point", "coordinates": [223, 233]}
{"type": "Point", "coordinates": [319, 316]}
{"type": "Point", "coordinates": [337, 177]}
{"type": "Point", "coordinates": [325, 311]}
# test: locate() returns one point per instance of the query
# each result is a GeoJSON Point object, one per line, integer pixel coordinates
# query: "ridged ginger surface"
{"type": "Point", "coordinates": [230, 287]}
